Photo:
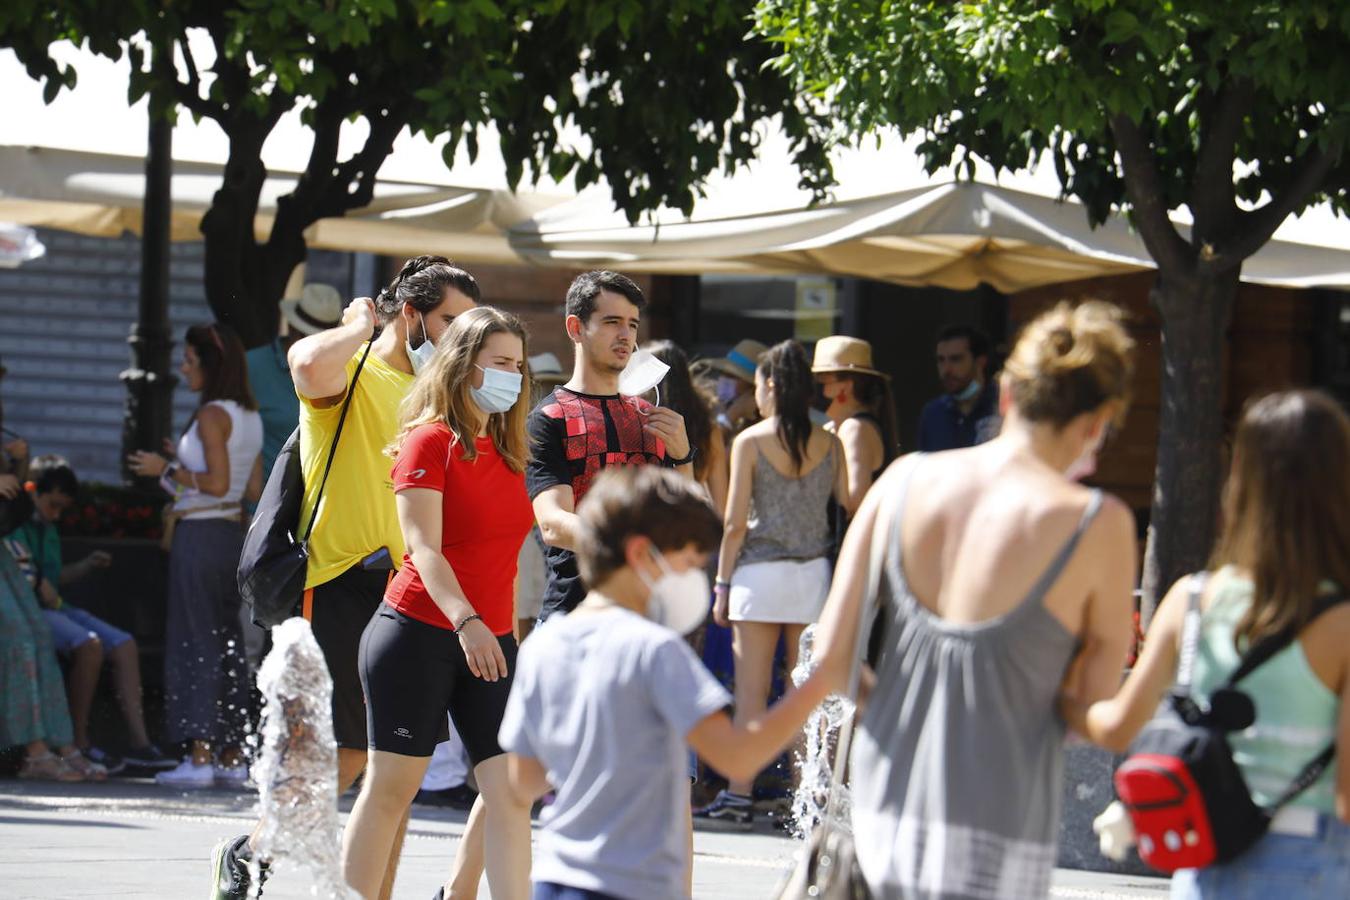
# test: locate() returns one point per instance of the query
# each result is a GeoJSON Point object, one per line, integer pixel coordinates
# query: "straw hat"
{"type": "Point", "coordinates": [742, 361]}
{"type": "Point", "coordinates": [839, 353]}
{"type": "Point", "coordinates": [318, 308]}
{"type": "Point", "coordinates": [544, 367]}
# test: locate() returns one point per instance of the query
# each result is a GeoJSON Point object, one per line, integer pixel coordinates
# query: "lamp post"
{"type": "Point", "coordinates": [149, 381]}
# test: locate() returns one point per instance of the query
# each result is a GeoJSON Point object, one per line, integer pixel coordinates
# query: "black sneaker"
{"type": "Point", "coordinates": [148, 757]}
{"type": "Point", "coordinates": [458, 797]}
{"type": "Point", "coordinates": [229, 870]}
{"type": "Point", "coordinates": [112, 763]}
{"type": "Point", "coordinates": [728, 807]}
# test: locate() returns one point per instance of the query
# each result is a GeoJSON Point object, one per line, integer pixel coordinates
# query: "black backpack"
{"type": "Point", "coordinates": [1185, 796]}
{"type": "Point", "coordinates": [274, 561]}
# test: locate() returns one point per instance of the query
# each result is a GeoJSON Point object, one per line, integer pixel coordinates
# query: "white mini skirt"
{"type": "Point", "coordinates": [783, 590]}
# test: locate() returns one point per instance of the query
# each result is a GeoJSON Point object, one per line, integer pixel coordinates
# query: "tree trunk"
{"type": "Point", "coordinates": [1196, 308]}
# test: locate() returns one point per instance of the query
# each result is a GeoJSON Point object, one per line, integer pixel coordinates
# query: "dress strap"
{"type": "Point", "coordinates": [1056, 567]}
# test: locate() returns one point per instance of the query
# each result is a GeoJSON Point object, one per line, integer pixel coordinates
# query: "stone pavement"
{"type": "Point", "coordinates": [129, 838]}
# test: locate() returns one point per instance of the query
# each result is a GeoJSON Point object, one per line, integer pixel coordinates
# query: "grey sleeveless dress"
{"type": "Point", "coordinates": [956, 766]}
{"type": "Point", "coordinates": [783, 570]}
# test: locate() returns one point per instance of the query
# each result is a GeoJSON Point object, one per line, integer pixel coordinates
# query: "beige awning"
{"type": "Point", "coordinates": [100, 194]}
{"type": "Point", "coordinates": [948, 234]}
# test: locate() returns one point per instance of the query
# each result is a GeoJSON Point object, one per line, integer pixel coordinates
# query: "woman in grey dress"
{"type": "Point", "coordinates": [1000, 575]}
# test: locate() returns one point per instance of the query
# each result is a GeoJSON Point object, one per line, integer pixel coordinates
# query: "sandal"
{"type": "Point", "coordinates": [86, 767]}
{"type": "Point", "coordinates": [49, 767]}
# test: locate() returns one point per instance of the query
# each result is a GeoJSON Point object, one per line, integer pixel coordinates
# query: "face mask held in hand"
{"type": "Point", "coordinates": [643, 373]}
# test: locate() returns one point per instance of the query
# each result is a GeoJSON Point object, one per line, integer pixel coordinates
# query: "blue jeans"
{"type": "Point", "coordinates": [71, 627]}
{"type": "Point", "coordinates": [547, 890]}
{"type": "Point", "coordinates": [1277, 867]}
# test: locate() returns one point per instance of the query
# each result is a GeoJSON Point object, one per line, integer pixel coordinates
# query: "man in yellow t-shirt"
{"type": "Point", "coordinates": [356, 541]}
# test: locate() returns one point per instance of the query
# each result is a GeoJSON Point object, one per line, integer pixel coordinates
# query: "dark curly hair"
{"type": "Point", "coordinates": [794, 389]}
{"type": "Point", "coordinates": [422, 283]}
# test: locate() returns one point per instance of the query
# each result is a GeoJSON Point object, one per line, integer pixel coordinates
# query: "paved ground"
{"type": "Point", "coordinates": [132, 839]}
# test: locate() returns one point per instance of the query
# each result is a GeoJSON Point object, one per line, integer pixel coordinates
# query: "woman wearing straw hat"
{"type": "Point", "coordinates": [736, 386]}
{"type": "Point", "coordinates": [861, 410]}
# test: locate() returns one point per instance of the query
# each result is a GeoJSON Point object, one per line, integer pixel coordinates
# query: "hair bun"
{"type": "Point", "coordinates": [1070, 360]}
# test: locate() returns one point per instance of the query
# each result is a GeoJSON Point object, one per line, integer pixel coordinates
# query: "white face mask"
{"type": "Point", "coordinates": [679, 600]}
{"type": "Point", "coordinates": [499, 391]}
{"type": "Point", "coordinates": [424, 352]}
{"type": "Point", "coordinates": [643, 372]}
{"type": "Point", "coordinates": [969, 392]}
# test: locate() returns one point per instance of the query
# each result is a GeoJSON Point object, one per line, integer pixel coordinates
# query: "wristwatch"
{"type": "Point", "coordinates": [693, 451]}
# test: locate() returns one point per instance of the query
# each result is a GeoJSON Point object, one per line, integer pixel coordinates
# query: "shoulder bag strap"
{"type": "Point", "coordinates": [1190, 634]}
{"type": "Point", "coordinates": [885, 526]}
{"type": "Point", "coordinates": [332, 448]}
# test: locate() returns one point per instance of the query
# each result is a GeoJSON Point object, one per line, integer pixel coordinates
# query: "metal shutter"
{"type": "Point", "coordinates": [64, 323]}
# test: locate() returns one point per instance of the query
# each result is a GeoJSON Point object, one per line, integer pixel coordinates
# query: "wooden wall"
{"type": "Point", "coordinates": [1269, 347]}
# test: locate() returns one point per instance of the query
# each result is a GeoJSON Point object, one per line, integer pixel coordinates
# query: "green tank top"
{"type": "Point", "coordinates": [1295, 712]}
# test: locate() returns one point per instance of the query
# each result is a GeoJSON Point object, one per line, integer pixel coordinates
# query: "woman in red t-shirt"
{"type": "Point", "coordinates": [442, 639]}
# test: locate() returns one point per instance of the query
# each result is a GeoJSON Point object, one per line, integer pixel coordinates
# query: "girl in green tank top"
{"type": "Point", "coordinates": [1285, 546]}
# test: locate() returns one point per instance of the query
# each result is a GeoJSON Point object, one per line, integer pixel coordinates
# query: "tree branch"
{"type": "Point", "coordinates": [1213, 195]}
{"type": "Point", "coordinates": [1257, 226]}
{"type": "Point", "coordinates": [190, 94]}
{"type": "Point", "coordinates": [354, 186]}
{"type": "Point", "coordinates": [1144, 189]}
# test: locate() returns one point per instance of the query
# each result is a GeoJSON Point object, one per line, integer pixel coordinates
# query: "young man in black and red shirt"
{"type": "Point", "coordinates": [585, 425]}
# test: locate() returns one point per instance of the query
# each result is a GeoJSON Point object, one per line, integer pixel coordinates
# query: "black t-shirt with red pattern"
{"type": "Point", "coordinates": [573, 437]}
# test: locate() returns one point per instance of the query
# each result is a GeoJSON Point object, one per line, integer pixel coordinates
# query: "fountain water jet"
{"type": "Point", "coordinates": [296, 770]}
{"type": "Point", "coordinates": [814, 762]}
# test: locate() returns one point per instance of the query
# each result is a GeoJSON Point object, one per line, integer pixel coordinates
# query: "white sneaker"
{"type": "Point", "coordinates": [231, 776]}
{"type": "Point", "coordinates": [188, 775]}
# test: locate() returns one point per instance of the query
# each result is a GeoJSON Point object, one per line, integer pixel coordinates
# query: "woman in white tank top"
{"type": "Point", "coordinates": [218, 467]}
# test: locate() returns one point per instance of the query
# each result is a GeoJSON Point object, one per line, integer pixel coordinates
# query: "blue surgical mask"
{"type": "Point", "coordinates": [499, 392]}
{"type": "Point", "coordinates": [422, 355]}
{"type": "Point", "coordinates": [970, 392]}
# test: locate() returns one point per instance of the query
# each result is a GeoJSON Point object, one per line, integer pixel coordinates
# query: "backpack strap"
{"type": "Point", "coordinates": [1267, 647]}
{"type": "Point", "coordinates": [332, 448]}
{"type": "Point", "coordinates": [1305, 778]}
{"type": "Point", "coordinates": [1251, 660]}
{"type": "Point", "coordinates": [1263, 651]}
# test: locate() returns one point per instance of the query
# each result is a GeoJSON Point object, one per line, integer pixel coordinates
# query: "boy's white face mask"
{"type": "Point", "coordinates": [643, 373]}
{"type": "Point", "coordinates": [678, 600]}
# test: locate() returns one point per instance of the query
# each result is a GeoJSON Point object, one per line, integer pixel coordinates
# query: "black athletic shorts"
{"type": "Point", "coordinates": [413, 674]}
{"type": "Point", "coordinates": [338, 611]}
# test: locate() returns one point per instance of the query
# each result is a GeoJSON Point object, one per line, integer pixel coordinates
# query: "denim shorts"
{"type": "Point", "coordinates": [1283, 866]}
{"type": "Point", "coordinates": [72, 626]}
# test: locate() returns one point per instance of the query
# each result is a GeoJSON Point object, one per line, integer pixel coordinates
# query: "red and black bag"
{"type": "Point", "coordinates": [1186, 798]}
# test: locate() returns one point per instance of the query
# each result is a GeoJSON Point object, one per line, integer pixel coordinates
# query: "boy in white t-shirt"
{"type": "Point", "coordinates": [606, 698]}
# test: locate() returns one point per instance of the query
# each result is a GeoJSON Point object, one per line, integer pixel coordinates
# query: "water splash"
{"type": "Point", "coordinates": [296, 770]}
{"type": "Point", "coordinates": [814, 762]}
